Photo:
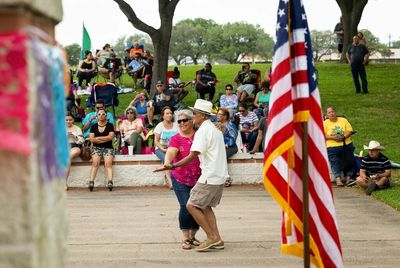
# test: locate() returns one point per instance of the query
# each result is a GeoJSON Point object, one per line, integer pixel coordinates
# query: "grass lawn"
{"type": "Point", "coordinates": [391, 196]}
{"type": "Point", "coordinates": [374, 116]}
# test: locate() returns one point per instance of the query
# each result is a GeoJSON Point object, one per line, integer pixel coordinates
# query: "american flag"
{"type": "Point", "coordinates": [295, 99]}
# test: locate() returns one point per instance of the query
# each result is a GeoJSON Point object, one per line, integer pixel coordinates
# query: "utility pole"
{"type": "Point", "coordinates": [390, 36]}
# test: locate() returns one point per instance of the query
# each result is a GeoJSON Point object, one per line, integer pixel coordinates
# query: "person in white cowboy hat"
{"type": "Point", "coordinates": [208, 145]}
{"type": "Point", "coordinates": [375, 169]}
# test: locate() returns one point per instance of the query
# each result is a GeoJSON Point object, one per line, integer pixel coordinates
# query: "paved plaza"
{"type": "Point", "coordinates": [138, 227]}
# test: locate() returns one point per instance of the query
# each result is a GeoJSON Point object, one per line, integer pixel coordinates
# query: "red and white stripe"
{"type": "Point", "coordinates": [291, 95]}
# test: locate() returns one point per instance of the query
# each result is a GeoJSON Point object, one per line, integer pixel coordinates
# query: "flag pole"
{"type": "Point", "coordinates": [306, 230]}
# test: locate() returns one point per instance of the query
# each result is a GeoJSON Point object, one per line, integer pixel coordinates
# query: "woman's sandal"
{"type": "Point", "coordinates": [110, 185]}
{"type": "Point", "coordinates": [91, 185]}
{"type": "Point", "coordinates": [186, 244]}
{"type": "Point", "coordinates": [194, 242]}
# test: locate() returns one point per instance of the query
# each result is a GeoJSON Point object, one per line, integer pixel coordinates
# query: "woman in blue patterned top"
{"type": "Point", "coordinates": [229, 100]}
{"type": "Point", "coordinates": [229, 130]}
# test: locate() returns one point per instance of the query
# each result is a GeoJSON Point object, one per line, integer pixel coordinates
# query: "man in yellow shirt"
{"type": "Point", "coordinates": [337, 130]}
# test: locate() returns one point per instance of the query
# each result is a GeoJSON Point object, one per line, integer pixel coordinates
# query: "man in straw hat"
{"type": "Point", "coordinates": [208, 144]}
{"type": "Point", "coordinates": [375, 169]}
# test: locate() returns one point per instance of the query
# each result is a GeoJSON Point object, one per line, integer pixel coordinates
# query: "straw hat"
{"type": "Point", "coordinates": [202, 106]}
{"type": "Point", "coordinates": [374, 145]}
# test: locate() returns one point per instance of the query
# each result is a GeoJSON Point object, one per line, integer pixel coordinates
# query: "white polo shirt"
{"type": "Point", "coordinates": [209, 142]}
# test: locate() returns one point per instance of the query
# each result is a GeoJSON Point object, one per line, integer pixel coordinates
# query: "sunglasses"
{"type": "Point", "coordinates": [183, 120]}
{"type": "Point", "coordinates": [99, 107]}
{"type": "Point", "coordinates": [130, 112]}
{"type": "Point", "coordinates": [228, 88]}
{"type": "Point", "coordinates": [101, 114]}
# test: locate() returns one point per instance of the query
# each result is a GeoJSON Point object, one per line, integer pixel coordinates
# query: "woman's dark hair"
{"type": "Point", "coordinates": [163, 112]}
{"type": "Point", "coordinates": [87, 52]}
{"type": "Point", "coordinates": [208, 64]}
{"type": "Point", "coordinates": [243, 105]}
{"type": "Point", "coordinates": [229, 85]}
{"type": "Point", "coordinates": [106, 46]}
{"type": "Point", "coordinates": [265, 84]}
{"type": "Point", "coordinates": [176, 71]}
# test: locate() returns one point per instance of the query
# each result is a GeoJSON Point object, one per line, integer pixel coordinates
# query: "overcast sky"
{"type": "Point", "coordinates": [106, 23]}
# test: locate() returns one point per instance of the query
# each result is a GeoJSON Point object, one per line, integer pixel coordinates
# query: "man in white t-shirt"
{"type": "Point", "coordinates": [208, 145]}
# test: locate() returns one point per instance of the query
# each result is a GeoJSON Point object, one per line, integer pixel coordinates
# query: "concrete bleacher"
{"type": "Point", "coordinates": [137, 170]}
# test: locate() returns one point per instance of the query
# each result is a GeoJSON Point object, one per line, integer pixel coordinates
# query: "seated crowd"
{"type": "Point", "coordinates": [242, 117]}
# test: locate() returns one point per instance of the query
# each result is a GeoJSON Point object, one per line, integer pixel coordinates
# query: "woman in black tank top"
{"type": "Point", "coordinates": [86, 69]}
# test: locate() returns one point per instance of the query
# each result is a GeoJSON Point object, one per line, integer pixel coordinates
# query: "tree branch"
{"type": "Point", "coordinates": [133, 19]}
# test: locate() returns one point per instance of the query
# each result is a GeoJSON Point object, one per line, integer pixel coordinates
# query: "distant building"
{"type": "Point", "coordinates": [394, 57]}
{"type": "Point", "coordinates": [245, 58]}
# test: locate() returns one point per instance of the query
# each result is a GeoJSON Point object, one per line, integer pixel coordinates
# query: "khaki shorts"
{"type": "Point", "coordinates": [205, 195]}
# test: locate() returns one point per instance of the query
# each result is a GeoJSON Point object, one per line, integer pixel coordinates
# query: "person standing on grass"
{"type": "Point", "coordinates": [208, 145]}
{"type": "Point", "coordinates": [357, 55]}
{"type": "Point", "coordinates": [339, 35]}
{"type": "Point", "coordinates": [375, 169]}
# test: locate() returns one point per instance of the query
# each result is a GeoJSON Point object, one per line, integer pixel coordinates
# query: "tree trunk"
{"type": "Point", "coordinates": [351, 14]}
{"type": "Point", "coordinates": [161, 48]}
{"type": "Point", "coordinates": [160, 37]}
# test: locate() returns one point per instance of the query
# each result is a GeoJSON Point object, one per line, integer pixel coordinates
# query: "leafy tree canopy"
{"type": "Point", "coordinates": [323, 43]}
{"type": "Point", "coordinates": [189, 39]}
{"type": "Point", "coordinates": [122, 43]}
{"type": "Point", "coordinates": [233, 40]}
{"type": "Point", "coordinates": [73, 53]}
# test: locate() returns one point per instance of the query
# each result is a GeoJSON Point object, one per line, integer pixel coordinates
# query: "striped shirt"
{"type": "Point", "coordinates": [248, 121]}
{"type": "Point", "coordinates": [375, 166]}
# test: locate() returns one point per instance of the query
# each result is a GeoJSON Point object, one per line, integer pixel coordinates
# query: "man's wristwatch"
{"type": "Point", "coordinates": [173, 166]}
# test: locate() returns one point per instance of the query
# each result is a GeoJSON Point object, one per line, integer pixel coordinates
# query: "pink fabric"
{"type": "Point", "coordinates": [190, 173]}
{"type": "Point", "coordinates": [14, 80]}
{"type": "Point", "coordinates": [145, 149]}
{"type": "Point", "coordinates": [129, 127]}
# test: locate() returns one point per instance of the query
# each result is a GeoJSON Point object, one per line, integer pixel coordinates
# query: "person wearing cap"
{"type": "Point", "coordinates": [136, 68]}
{"type": "Point", "coordinates": [375, 169]}
{"type": "Point", "coordinates": [112, 68]}
{"type": "Point", "coordinates": [162, 98]}
{"type": "Point", "coordinates": [337, 132]}
{"type": "Point", "coordinates": [208, 145]}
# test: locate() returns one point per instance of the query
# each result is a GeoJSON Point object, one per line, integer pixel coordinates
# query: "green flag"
{"type": "Point", "coordinates": [86, 42]}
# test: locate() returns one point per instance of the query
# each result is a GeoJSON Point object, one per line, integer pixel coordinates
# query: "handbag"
{"type": "Point", "coordinates": [86, 152]}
